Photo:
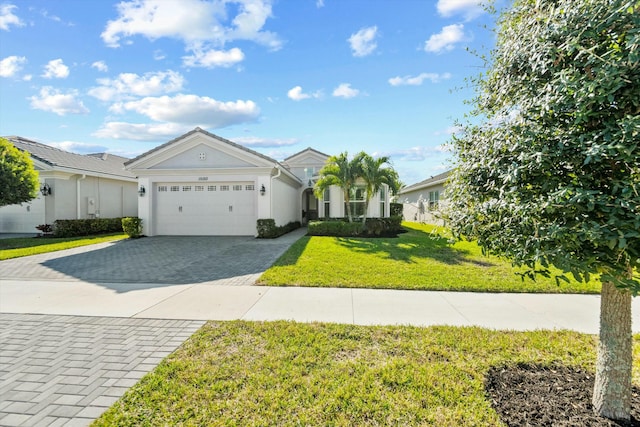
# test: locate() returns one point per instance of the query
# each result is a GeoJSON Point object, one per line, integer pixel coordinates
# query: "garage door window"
{"type": "Point", "coordinates": [249, 187]}
{"type": "Point", "coordinates": [199, 188]}
{"type": "Point", "coordinates": [237, 188]}
{"type": "Point", "coordinates": [224, 188]}
{"type": "Point", "coordinates": [186, 188]}
{"type": "Point", "coordinates": [175, 188]}
{"type": "Point", "coordinates": [211, 188]}
{"type": "Point", "coordinates": [162, 188]}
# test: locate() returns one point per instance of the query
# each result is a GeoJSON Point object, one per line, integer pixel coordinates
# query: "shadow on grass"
{"type": "Point", "coordinates": [412, 246]}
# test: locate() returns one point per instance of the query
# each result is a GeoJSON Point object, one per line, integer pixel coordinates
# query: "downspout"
{"type": "Point", "coordinates": [79, 208]}
{"type": "Point", "coordinates": [271, 192]}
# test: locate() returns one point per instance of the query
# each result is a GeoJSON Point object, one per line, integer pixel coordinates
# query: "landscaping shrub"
{"type": "Point", "coordinates": [267, 228]}
{"type": "Point", "coordinates": [340, 227]}
{"type": "Point", "coordinates": [86, 227]}
{"type": "Point", "coordinates": [132, 226]}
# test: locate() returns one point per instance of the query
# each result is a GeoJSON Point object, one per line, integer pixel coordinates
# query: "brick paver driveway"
{"type": "Point", "coordinates": [67, 370]}
{"type": "Point", "coordinates": [174, 260]}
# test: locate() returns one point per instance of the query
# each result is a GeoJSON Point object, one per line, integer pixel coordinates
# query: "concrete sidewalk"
{"type": "Point", "coordinates": [217, 301]}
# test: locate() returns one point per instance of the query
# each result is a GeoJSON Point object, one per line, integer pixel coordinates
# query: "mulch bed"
{"type": "Point", "coordinates": [532, 395]}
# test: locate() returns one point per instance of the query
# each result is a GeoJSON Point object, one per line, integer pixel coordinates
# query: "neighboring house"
{"type": "Point", "coordinates": [422, 201]}
{"type": "Point", "coordinates": [202, 184]}
{"type": "Point", "coordinates": [72, 186]}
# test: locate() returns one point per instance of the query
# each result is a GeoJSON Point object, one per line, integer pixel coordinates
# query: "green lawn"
{"type": "Point", "coordinates": [288, 374]}
{"type": "Point", "coordinates": [423, 258]}
{"type": "Point", "coordinates": [24, 246]}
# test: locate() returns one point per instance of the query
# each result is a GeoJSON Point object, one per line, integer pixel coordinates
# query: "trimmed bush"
{"type": "Point", "coordinates": [86, 227]}
{"type": "Point", "coordinates": [267, 228]}
{"type": "Point", "coordinates": [132, 226]}
{"type": "Point", "coordinates": [374, 227]}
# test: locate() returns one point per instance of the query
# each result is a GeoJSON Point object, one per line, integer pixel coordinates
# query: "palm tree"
{"type": "Point", "coordinates": [342, 172]}
{"type": "Point", "coordinates": [374, 173]}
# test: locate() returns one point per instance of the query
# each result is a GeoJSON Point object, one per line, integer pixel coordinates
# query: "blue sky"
{"type": "Point", "coordinates": [383, 76]}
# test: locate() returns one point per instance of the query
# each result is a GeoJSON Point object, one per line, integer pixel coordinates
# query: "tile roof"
{"type": "Point", "coordinates": [431, 180]}
{"type": "Point", "coordinates": [103, 163]}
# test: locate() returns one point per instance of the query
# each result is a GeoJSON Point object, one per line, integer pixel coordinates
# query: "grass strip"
{"type": "Point", "coordinates": [291, 374]}
{"type": "Point", "coordinates": [25, 246]}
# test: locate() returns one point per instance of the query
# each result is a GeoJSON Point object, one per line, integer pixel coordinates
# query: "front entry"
{"type": "Point", "coordinates": [309, 206]}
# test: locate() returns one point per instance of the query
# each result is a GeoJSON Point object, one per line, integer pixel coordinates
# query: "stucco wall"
{"type": "Point", "coordinates": [416, 205]}
{"type": "Point", "coordinates": [285, 203]}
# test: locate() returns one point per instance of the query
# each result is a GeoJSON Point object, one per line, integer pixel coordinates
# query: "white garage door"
{"type": "Point", "coordinates": [205, 209]}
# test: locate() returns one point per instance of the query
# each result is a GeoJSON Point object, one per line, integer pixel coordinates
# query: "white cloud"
{"type": "Point", "coordinates": [203, 26]}
{"type": "Point", "coordinates": [7, 17]}
{"type": "Point", "coordinates": [131, 84]}
{"type": "Point", "coordinates": [297, 94]}
{"type": "Point", "coordinates": [54, 101]}
{"type": "Point", "coordinates": [55, 69]}
{"type": "Point", "coordinates": [214, 58]}
{"type": "Point", "coordinates": [11, 65]}
{"type": "Point", "coordinates": [79, 147]}
{"type": "Point", "coordinates": [345, 91]}
{"type": "Point", "coordinates": [470, 9]}
{"type": "Point", "coordinates": [100, 66]}
{"type": "Point", "coordinates": [141, 131]}
{"type": "Point", "coordinates": [192, 110]}
{"type": "Point", "coordinates": [254, 141]}
{"type": "Point", "coordinates": [415, 154]}
{"type": "Point", "coordinates": [419, 79]}
{"type": "Point", "coordinates": [445, 39]}
{"type": "Point", "coordinates": [319, 3]}
{"type": "Point", "coordinates": [363, 42]}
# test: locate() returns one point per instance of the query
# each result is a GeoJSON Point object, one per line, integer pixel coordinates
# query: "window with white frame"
{"type": "Point", "coordinates": [434, 198]}
{"type": "Point", "coordinates": [356, 201]}
{"type": "Point", "coordinates": [382, 202]}
{"type": "Point", "coordinates": [327, 203]}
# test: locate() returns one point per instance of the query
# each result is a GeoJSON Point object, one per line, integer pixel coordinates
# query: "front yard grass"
{"type": "Point", "coordinates": [25, 246]}
{"type": "Point", "coordinates": [423, 258]}
{"type": "Point", "coordinates": [290, 374]}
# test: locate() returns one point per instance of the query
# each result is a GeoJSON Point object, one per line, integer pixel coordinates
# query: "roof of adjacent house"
{"type": "Point", "coordinates": [434, 180]}
{"type": "Point", "coordinates": [102, 163]}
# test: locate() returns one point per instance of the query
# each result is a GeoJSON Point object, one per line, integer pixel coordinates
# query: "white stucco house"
{"type": "Point", "coordinates": [202, 184]}
{"type": "Point", "coordinates": [72, 186]}
{"type": "Point", "coordinates": [422, 201]}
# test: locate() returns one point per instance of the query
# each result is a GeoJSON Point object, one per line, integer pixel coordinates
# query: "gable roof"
{"type": "Point", "coordinates": [103, 163]}
{"type": "Point", "coordinates": [306, 150]}
{"type": "Point", "coordinates": [431, 181]}
{"type": "Point", "coordinates": [204, 132]}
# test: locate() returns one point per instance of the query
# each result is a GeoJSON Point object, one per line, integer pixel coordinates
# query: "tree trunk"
{"type": "Point", "coordinates": [612, 389]}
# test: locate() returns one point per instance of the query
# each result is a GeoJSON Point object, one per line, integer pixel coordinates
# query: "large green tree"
{"type": "Point", "coordinates": [548, 165]}
{"type": "Point", "coordinates": [18, 179]}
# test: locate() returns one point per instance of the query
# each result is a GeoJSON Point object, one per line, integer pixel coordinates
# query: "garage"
{"type": "Point", "coordinates": [201, 209]}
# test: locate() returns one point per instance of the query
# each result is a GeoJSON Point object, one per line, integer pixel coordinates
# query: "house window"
{"type": "Point", "coordinates": [250, 187]}
{"type": "Point", "coordinates": [199, 188]}
{"type": "Point", "coordinates": [175, 188]}
{"type": "Point", "coordinates": [434, 198]}
{"type": "Point", "coordinates": [224, 188]}
{"type": "Point", "coordinates": [237, 188]}
{"type": "Point", "coordinates": [186, 188]}
{"type": "Point", "coordinates": [327, 203]}
{"type": "Point", "coordinates": [382, 203]}
{"type": "Point", "coordinates": [211, 188]}
{"type": "Point", "coordinates": [162, 188]}
{"type": "Point", "coordinates": [357, 201]}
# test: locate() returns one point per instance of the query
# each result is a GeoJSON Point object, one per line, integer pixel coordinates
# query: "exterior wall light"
{"type": "Point", "coordinates": [45, 190]}
{"type": "Point", "coordinates": [141, 191]}
{"type": "Point", "coordinates": [262, 190]}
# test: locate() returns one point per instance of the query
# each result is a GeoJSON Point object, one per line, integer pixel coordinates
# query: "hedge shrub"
{"type": "Point", "coordinates": [132, 226]}
{"type": "Point", "coordinates": [86, 227]}
{"type": "Point", "coordinates": [374, 227]}
{"type": "Point", "coordinates": [267, 228]}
